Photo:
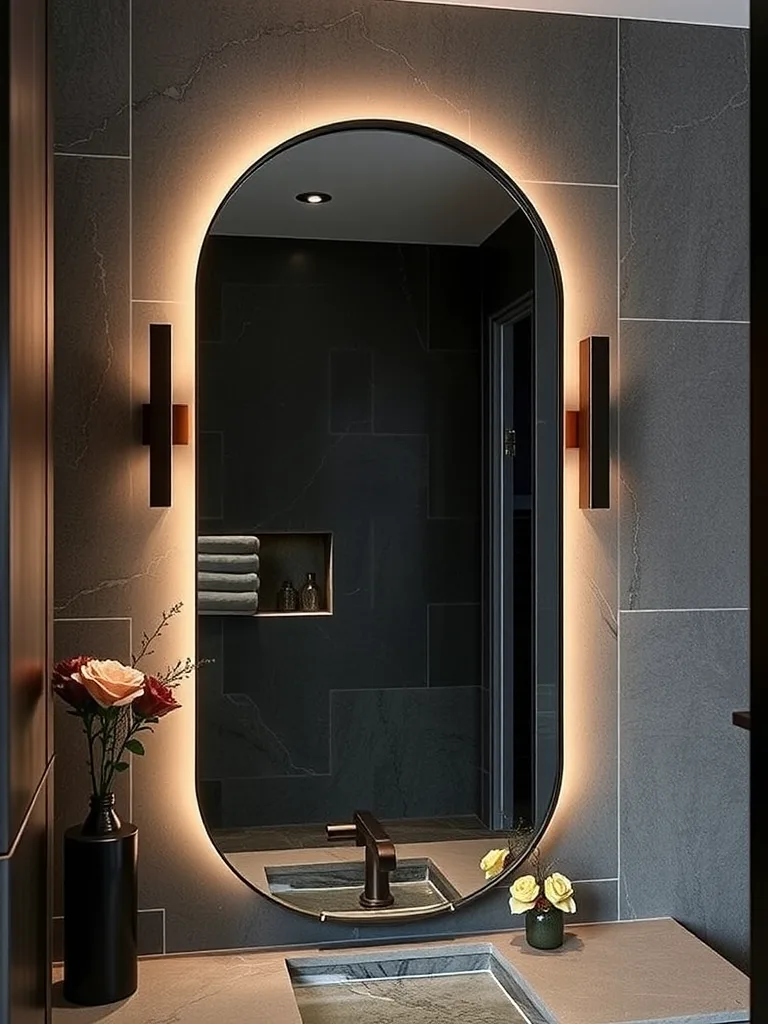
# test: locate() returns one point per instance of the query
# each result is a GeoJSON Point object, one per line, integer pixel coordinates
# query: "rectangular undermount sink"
{"type": "Point", "coordinates": [441, 985]}
{"type": "Point", "coordinates": [335, 888]}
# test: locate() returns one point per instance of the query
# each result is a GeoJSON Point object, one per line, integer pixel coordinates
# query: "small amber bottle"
{"type": "Point", "coordinates": [310, 594]}
{"type": "Point", "coordinates": [287, 598]}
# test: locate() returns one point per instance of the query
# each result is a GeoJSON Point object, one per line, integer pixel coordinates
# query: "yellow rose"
{"type": "Point", "coordinates": [559, 892]}
{"type": "Point", "coordinates": [493, 862]}
{"type": "Point", "coordinates": [523, 893]}
{"type": "Point", "coordinates": [110, 683]}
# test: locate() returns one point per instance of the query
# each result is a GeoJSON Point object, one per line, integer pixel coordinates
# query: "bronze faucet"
{"type": "Point", "coordinates": [380, 857]}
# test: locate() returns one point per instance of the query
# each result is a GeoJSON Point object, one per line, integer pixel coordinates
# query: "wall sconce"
{"type": "Point", "coordinates": [163, 423]}
{"type": "Point", "coordinates": [588, 429]}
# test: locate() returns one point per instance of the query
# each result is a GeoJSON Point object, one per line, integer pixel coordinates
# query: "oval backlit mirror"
{"type": "Point", "coordinates": [379, 523]}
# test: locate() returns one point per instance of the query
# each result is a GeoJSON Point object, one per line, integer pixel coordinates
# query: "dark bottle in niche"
{"type": "Point", "coordinates": [287, 598]}
{"type": "Point", "coordinates": [310, 594]}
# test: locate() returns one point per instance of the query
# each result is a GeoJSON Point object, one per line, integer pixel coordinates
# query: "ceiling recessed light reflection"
{"type": "Point", "coordinates": [314, 198]}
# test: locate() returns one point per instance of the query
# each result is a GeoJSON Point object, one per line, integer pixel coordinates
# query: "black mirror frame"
{"type": "Point", "coordinates": [392, 917]}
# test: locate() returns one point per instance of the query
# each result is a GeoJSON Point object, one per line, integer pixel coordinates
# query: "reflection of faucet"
{"type": "Point", "coordinates": [380, 857]}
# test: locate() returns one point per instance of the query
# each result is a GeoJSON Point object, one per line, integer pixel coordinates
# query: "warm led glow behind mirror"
{"type": "Point", "coordinates": [379, 508]}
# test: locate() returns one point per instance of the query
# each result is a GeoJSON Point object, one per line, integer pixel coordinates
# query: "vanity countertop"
{"type": "Point", "coordinates": [628, 972]}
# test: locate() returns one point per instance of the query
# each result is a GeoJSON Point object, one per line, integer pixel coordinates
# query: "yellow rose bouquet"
{"type": "Point", "coordinates": [543, 898]}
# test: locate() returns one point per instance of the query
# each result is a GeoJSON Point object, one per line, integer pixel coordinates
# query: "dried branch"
{"type": "Point", "coordinates": [181, 670]}
{"type": "Point", "coordinates": [147, 639]}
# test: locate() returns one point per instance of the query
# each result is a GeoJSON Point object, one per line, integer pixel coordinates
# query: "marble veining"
{"type": "Point", "coordinates": [443, 999]}
{"type": "Point", "coordinates": [249, 726]}
{"type": "Point", "coordinates": [440, 985]}
{"type": "Point", "coordinates": [90, 406]}
{"type": "Point", "coordinates": [364, 966]}
{"type": "Point", "coordinates": [177, 91]}
{"type": "Point", "coordinates": [640, 972]}
{"type": "Point", "coordinates": [634, 584]}
{"type": "Point", "coordinates": [149, 571]}
{"type": "Point", "coordinates": [684, 123]}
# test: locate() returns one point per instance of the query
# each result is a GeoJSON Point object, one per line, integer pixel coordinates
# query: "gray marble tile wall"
{"type": "Point", "coordinates": [683, 448]}
{"type": "Point", "coordinates": [211, 88]}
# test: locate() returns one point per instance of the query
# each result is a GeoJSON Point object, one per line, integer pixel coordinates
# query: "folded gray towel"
{"type": "Point", "coordinates": [228, 545]}
{"type": "Point", "coordinates": [217, 602]}
{"type": "Point", "coordinates": [227, 563]}
{"type": "Point", "coordinates": [227, 581]}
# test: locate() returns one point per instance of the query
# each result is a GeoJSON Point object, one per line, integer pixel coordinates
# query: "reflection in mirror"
{"type": "Point", "coordinates": [379, 467]}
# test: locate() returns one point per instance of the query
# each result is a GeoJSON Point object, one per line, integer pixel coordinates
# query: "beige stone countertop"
{"type": "Point", "coordinates": [627, 972]}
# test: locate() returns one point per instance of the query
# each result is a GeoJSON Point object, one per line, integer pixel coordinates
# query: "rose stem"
{"type": "Point", "coordinates": [88, 721]}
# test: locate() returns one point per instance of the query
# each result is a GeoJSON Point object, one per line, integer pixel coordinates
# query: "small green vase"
{"type": "Point", "coordinates": [544, 928]}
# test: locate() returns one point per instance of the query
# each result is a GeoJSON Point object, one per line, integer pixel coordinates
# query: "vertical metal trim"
{"type": "Point", "coordinates": [5, 436]}
{"type": "Point", "coordinates": [498, 616]}
{"type": "Point", "coordinates": [160, 416]}
{"type": "Point", "coordinates": [497, 752]}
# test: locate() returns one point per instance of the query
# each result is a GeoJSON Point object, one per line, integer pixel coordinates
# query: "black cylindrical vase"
{"type": "Point", "coordinates": [100, 916]}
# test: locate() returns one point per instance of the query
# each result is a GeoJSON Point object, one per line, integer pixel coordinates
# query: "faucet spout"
{"type": "Point", "coordinates": [380, 856]}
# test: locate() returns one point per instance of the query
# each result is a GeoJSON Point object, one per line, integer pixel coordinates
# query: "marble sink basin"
{"type": "Point", "coordinates": [335, 888]}
{"type": "Point", "coordinates": [441, 985]}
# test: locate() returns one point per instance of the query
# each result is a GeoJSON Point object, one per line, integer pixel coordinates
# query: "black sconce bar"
{"type": "Point", "coordinates": [589, 428]}
{"type": "Point", "coordinates": [163, 423]}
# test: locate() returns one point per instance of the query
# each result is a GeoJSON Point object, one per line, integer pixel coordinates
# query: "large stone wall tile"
{"type": "Point", "coordinates": [92, 108]}
{"type": "Point", "coordinates": [685, 773]}
{"type": "Point", "coordinates": [684, 465]}
{"type": "Point", "coordinates": [684, 171]}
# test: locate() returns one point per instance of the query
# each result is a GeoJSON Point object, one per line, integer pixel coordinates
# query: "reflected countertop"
{"type": "Point", "coordinates": [616, 973]}
{"type": "Point", "coordinates": [458, 860]}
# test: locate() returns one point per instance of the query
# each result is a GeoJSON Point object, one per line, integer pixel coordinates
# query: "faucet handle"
{"type": "Point", "coordinates": [341, 833]}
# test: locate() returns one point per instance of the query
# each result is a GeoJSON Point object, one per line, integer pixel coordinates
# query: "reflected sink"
{"type": "Point", "coordinates": [335, 888]}
{"type": "Point", "coordinates": [441, 985]}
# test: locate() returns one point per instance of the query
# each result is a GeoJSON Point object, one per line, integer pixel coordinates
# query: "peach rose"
{"type": "Point", "coordinates": [110, 683]}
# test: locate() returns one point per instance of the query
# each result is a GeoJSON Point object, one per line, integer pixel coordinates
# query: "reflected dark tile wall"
{"type": "Point", "coordinates": [454, 635]}
{"type": "Point", "coordinates": [342, 394]}
{"type": "Point", "coordinates": [351, 391]}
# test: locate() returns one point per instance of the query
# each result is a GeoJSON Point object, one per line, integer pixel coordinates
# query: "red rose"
{"type": "Point", "coordinates": [72, 690]}
{"type": "Point", "coordinates": [156, 700]}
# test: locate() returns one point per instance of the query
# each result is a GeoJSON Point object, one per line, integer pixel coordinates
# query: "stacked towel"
{"type": "Point", "coordinates": [228, 545]}
{"type": "Point", "coordinates": [217, 602]}
{"type": "Point", "coordinates": [227, 581]}
{"type": "Point", "coordinates": [230, 564]}
{"type": "Point", "coordinates": [228, 575]}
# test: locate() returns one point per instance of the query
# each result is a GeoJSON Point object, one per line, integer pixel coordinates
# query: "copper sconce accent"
{"type": "Point", "coordinates": [588, 429]}
{"type": "Point", "coordinates": [572, 429]}
{"type": "Point", "coordinates": [163, 423]}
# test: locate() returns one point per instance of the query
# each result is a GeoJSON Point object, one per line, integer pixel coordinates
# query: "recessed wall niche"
{"type": "Point", "coordinates": [290, 557]}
